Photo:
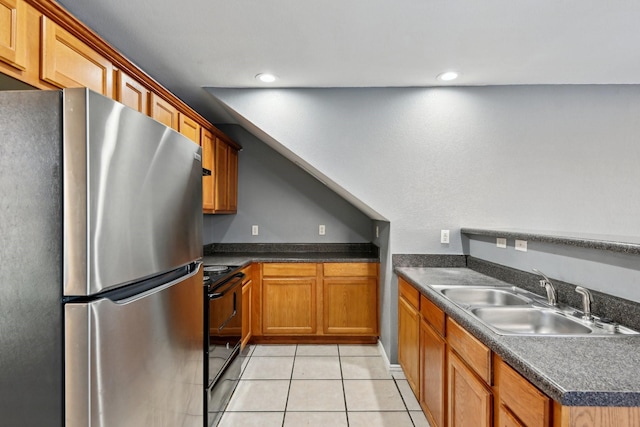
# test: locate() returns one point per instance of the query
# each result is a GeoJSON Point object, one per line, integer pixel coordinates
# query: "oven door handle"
{"type": "Point", "coordinates": [233, 314]}
{"type": "Point", "coordinates": [226, 286]}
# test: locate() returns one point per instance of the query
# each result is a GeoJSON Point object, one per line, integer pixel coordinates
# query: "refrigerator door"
{"type": "Point", "coordinates": [138, 361]}
{"type": "Point", "coordinates": [132, 195]}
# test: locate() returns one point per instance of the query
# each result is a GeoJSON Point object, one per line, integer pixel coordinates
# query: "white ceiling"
{"type": "Point", "coordinates": [192, 44]}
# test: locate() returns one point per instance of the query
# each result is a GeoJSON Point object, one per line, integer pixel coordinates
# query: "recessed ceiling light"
{"type": "Point", "coordinates": [448, 76]}
{"type": "Point", "coordinates": [266, 77]}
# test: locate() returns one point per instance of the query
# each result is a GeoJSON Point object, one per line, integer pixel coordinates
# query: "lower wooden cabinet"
{"type": "Point", "coordinates": [247, 306]}
{"type": "Point", "coordinates": [519, 402]}
{"type": "Point", "coordinates": [433, 359]}
{"type": "Point", "coordinates": [318, 301]}
{"type": "Point", "coordinates": [409, 335]}
{"type": "Point", "coordinates": [350, 299]}
{"type": "Point", "coordinates": [462, 383]}
{"type": "Point", "coordinates": [289, 306]}
{"type": "Point", "coordinates": [469, 398]}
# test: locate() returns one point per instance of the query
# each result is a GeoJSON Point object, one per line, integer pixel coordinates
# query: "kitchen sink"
{"type": "Point", "coordinates": [509, 310]}
{"type": "Point", "coordinates": [484, 296]}
{"type": "Point", "coordinates": [530, 321]}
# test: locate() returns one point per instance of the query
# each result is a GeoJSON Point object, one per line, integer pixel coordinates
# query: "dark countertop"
{"type": "Point", "coordinates": [245, 258]}
{"type": "Point", "coordinates": [612, 243]}
{"type": "Point", "coordinates": [574, 371]}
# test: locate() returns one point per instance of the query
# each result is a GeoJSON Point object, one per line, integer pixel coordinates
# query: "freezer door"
{"type": "Point", "coordinates": [139, 361]}
{"type": "Point", "coordinates": [132, 195]}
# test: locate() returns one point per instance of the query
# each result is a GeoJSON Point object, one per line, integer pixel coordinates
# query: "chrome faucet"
{"type": "Point", "coordinates": [587, 299]}
{"type": "Point", "coordinates": [552, 295]}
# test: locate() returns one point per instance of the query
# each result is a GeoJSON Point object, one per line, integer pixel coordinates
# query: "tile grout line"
{"type": "Point", "coordinates": [286, 403]}
{"type": "Point", "coordinates": [344, 391]}
{"type": "Point", "coordinates": [403, 400]}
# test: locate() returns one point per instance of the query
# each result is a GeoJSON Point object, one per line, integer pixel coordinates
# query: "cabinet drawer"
{"type": "Point", "coordinates": [411, 294]}
{"type": "Point", "coordinates": [350, 269]}
{"type": "Point", "coordinates": [289, 269]}
{"type": "Point", "coordinates": [524, 400]}
{"type": "Point", "coordinates": [476, 354]}
{"type": "Point", "coordinates": [432, 314]}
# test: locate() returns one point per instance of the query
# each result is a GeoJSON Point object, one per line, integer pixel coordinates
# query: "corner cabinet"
{"type": "Point", "coordinates": [220, 189]}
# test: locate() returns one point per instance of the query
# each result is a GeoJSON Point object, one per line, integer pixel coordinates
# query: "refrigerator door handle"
{"type": "Point", "coordinates": [142, 295]}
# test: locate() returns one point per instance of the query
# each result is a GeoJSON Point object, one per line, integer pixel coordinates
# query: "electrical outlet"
{"type": "Point", "coordinates": [521, 245]}
{"type": "Point", "coordinates": [254, 230]}
{"type": "Point", "coordinates": [321, 230]}
{"type": "Point", "coordinates": [377, 231]}
{"type": "Point", "coordinates": [501, 242]}
{"type": "Point", "coordinates": [444, 236]}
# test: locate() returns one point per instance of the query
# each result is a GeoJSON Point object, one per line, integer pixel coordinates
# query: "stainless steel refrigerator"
{"type": "Point", "coordinates": [101, 296]}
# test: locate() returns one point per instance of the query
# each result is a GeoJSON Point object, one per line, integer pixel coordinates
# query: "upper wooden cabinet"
{"type": "Point", "coordinates": [220, 189]}
{"type": "Point", "coordinates": [225, 178]}
{"type": "Point", "coordinates": [207, 141]}
{"type": "Point", "coordinates": [67, 62]}
{"type": "Point", "coordinates": [164, 112]}
{"type": "Point", "coordinates": [189, 128]}
{"type": "Point", "coordinates": [42, 45]}
{"type": "Point", "coordinates": [13, 33]}
{"type": "Point", "coordinates": [132, 93]}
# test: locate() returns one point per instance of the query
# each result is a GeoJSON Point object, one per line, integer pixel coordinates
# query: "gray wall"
{"type": "Point", "coordinates": [529, 157]}
{"type": "Point", "coordinates": [284, 201]}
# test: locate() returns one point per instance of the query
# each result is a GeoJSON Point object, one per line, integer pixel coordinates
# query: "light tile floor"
{"type": "Point", "coordinates": [321, 385]}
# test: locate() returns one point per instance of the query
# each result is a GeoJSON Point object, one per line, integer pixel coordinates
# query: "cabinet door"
{"type": "Point", "coordinates": [164, 112]}
{"type": "Point", "coordinates": [288, 306]}
{"type": "Point", "coordinates": [522, 400]}
{"type": "Point", "coordinates": [507, 419]}
{"type": "Point", "coordinates": [221, 193]}
{"type": "Point", "coordinates": [469, 399]}
{"type": "Point", "coordinates": [68, 62]}
{"type": "Point", "coordinates": [132, 93]}
{"type": "Point", "coordinates": [247, 293]}
{"type": "Point", "coordinates": [13, 33]}
{"type": "Point", "coordinates": [433, 352]}
{"type": "Point", "coordinates": [351, 306]}
{"type": "Point", "coordinates": [232, 184]}
{"type": "Point", "coordinates": [409, 343]}
{"type": "Point", "coordinates": [189, 128]}
{"type": "Point", "coordinates": [208, 147]}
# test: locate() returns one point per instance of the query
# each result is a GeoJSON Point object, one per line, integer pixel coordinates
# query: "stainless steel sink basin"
{"type": "Point", "coordinates": [509, 310]}
{"type": "Point", "coordinates": [530, 321]}
{"type": "Point", "coordinates": [484, 296]}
